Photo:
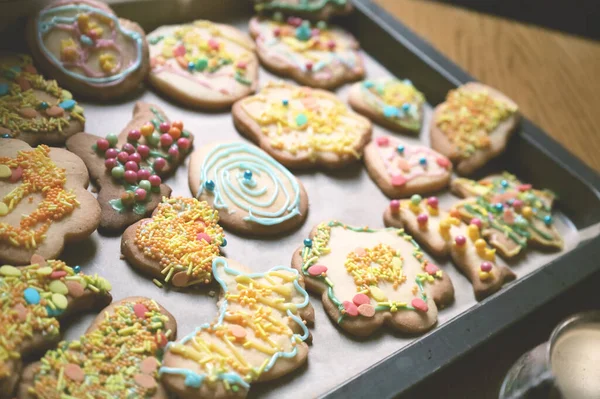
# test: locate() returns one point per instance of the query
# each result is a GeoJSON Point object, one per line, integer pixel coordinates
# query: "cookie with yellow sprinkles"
{"type": "Point", "coordinates": [368, 278]}
{"type": "Point", "coordinates": [33, 299]}
{"type": "Point", "coordinates": [302, 127]}
{"type": "Point", "coordinates": [32, 108]}
{"type": "Point", "coordinates": [118, 357]}
{"type": "Point", "coordinates": [43, 201]}
{"type": "Point", "coordinates": [473, 125]}
{"type": "Point", "coordinates": [178, 244]}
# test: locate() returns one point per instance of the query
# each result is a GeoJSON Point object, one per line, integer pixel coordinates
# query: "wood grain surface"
{"type": "Point", "coordinates": [554, 77]}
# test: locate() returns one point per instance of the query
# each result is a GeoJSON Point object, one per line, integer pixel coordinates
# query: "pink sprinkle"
{"type": "Point", "coordinates": [517, 204]}
{"type": "Point", "coordinates": [431, 269]}
{"type": "Point", "coordinates": [382, 141]}
{"type": "Point", "coordinates": [205, 237]}
{"type": "Point", "coordinates": [443, 162]}
{"type": "Point", "coordinates": [486, 266]}
{"type": "Point", "coordinates": [317, 270]}
{"type": "Point", "coordinates": [360, 251]}
{"type": "Point", "coordinates": [394, 205]}
{"type": "Point", "coordinates": [16, 174]}
{"type": "Point", "coordinates": [433, 202]}
{"type": "Point", "coordinates": [331, 45]}
{"type": "Point", "coordinates": [179, 51]}
{"type": "Point", "coordinates": [508, 216]}
{"type": "Point", "coordinates": [419, 305]}
{"type": "Point", "coordinates": [213, 44]}
{"type": "Point", "coordinates": [140, 310]}
{"type": "Point", "coordinates": [422, 218]}
{"type": "Point", "coordinates": [58, 274]}
{"type": "Point", "coordinates": [524, 187]}
{"type": "Point", "coordinates": [242, 64]}
{"type": "Point", "coordinates": [460, 240]}
{"type": "Point", "coordinates": [277, 31]}
{"type": "Point", "coordinates": [361, 299]}
{"type": "Point", "coordinates": [476, 222]}
{"type": "Point", "coordinates": [351, 309]}
{"type": "Point", "coordinates": [398, 181]}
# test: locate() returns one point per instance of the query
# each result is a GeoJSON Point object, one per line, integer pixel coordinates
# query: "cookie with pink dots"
{"type": "Point", "coordinates": [368, 278]}
{"type": "Point", "coordinates": [90, 50]}
{"type": "Point", "coordinates": [128, 169]}
{"type": "Point", "coordinates": [443, 234]}
{"type": "Point", "coordinates": [401, 169]}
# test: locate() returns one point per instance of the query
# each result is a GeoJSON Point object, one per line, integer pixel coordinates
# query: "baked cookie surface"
{"type": "Point", "coordinates": [314, 9]}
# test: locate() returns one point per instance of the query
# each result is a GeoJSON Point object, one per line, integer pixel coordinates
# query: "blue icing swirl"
{"type": "Point", "coordinates": [195, 380]}
{"type": "Point", "coordinates": [227, 166]}
{"type": "Point", "coordinates": [49, 18]}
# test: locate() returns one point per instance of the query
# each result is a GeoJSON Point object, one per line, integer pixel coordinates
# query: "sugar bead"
{"type": "Point", "coordinates": [123, 157]}
{"type": "Point", "coordinates": [134, 135]}
{"type": "Point", "coordinates": [155, 180]}
{"type": "Point", "coordinates": [145, 185]}
{"type": "Point", "coordinates": [110, 163]}
{"type": "Point", "coordinates": [173, 151]}
{"type": "Point", "coordinates": [147, 129]}
{"type": "Point", "coordinates": [394, 206]}
{"type": "Point", "coordinates": [476, 222]}
{"type": "Point", "coordinates": [308, 242]}
{"type": "Point", "coordinates": [130, 165]}
{"type": "Point", "coordinates": [433, 202]}
{"type": "Point", "coordinates": [164, 127]}
{"type": "Point", "coordinates": [486, 266]}
{"type": "Point", "coordinates": [422, 219]}
{"type": "Point", "coordinates": [548, 220]}
{"type": "Point", "coordinates": [183, 143]}
{"type": "Point", "coordinates": [460, 240]}
{"type": "Point", "coordinates": [128, 148]}
{"type": "Point", "coordinates": [130, 176]}
{"type": "Point", "coordinates": [415, 199]}
{"type": "Point", "coordinates": [102, 145]}
{"type": "Point", "coordinates": [143, 150]}
{"type": "Point", "coordinates": [135, 157]}
{"type": "Point", "coordinates": [159, 164]}
{"type": "Point", "coordinates": [210, 185]}
{"type": "Point", "coordinates": [111, 153]}
{"type": "Point", "coordinates": [118, 172]}
{"type": "Point", "coordinates": [247, 175]}
{"type": "Point", "coordinates": [112, 139]}
{"type": "Point", "coordinates": [140, 194]}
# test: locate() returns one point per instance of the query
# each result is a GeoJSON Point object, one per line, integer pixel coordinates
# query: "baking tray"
{"type": "Point", "coordinates": [387, 363]}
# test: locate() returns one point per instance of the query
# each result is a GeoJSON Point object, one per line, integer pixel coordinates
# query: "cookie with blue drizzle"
{"type": "Point", "coordinates": [258, 335]}
{"type": "Point", "coordinates": [313, 9]}
{"type": "Point", "coordinates": [90, 50]}
{"type": "Point", "coordinates": [253, 193]}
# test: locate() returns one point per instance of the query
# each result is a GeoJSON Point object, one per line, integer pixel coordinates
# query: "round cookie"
{"type": "Point", "coordinates": [88, 49]}
{"type": "Point", "coordinates": [401, 170]}
{"type": "Point", "coordinates": [313, 9]}
{"type": "Point", "coordinates": [44, 201]}
{"type": "Point", "coordinates": [32, 108]}
{"type": "Point", "coordinates": [392, 103]}
{"type": "Point", "coordinates": [302, 127]}
{"type": "Point", "coordinates": [203, 64]}
{"type": "Point", "coordinates": [473, 125]}
{"type": "Point", "coordinates": [255, 194]}
{"type": "Point", "coordinates": [315, 55]}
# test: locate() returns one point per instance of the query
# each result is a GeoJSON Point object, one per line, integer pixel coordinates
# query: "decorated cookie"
{"type": "Point", "coordinates": [253, 192]}
{"type": "Point", "coordinates": [315, 55]}
{"type": "Point", "coordinates": [118, 357]}
{"type": "Point", "coordinates": [32, 108]}
{"type": "Point", "coordinates": [178, 244]}
{"type": "Point", "coordinates": [473, 125]}
{"type": "Point", "coordinates": [203, 64]}
{"type": "Point", "coordinates": [512, 214]}
{"type": "Point", "coordinates": [401, 169]}
{"type": "Point", "coordinates": [128, 169]}
{"type": "Point", "coordinates": [368, 278]}
{"type": "Point", "coordinates": [88, 49]}
{"type": "Point", "coordinates": [302, 127]}
{"type": "Point", "coordinates": [395, 104]}
{"type": "Point", "coordinates": [43, 201]}
{"type": "Point", "coordinates": [258, 335]}
{"type": "Point", "coordinates": [34, 297]}
{"type": "Point", "coordinates": [444, 235]}
{"type": "Point", "coordinates": [314, 9]}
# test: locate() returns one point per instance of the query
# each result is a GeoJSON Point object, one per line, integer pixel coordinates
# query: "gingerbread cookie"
{"type": "Point", "coordinates": [315, 55]}
{"type": "Point", "coordinates": [129, 178]}
{"type": "Point", "coordinates": [43, 201]}
{"type": "Point", "coordinates": [88, 49]}
{"type": "Point", "coordinates": [368, 278]}
{"type": "Point", "coordinates": [34, 297]}
{"type": "Point", "coordinates": [258, 335]}
{"type": "Point", "coordinates": [178, 244]}
{"type": "Point", "coordinates": [118, 357]}
{"type": "Point", "coordinates": [302, 127]}
{"type": "Point", "coordinates": [401, 170]}
{"type": "Point", "coordinates": [473, 125]}
{"type": "Point", "coordinates": [392, 103]}
{"type": "Point", "coordinates": [314, 9]}
{"type": "Point", "coordinates": [512, 214]}
{"type": "Point", "coordinates": [203, 64]}
{"type": "Point", "coordinates": [32, 108]}
{"type": "Point", "coordinates": [443, 234]}
{"type": "Point", "coordinates": [253, 192]}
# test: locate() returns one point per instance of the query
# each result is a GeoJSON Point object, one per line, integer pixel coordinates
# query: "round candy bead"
{"type": "Point", "coordinates": [135, 157]}
{"type": "Point", "coordinates": [118, 172]}
{"type": "Point", "coordinates": [331, 45]}
{"type": "Point", "coordinates": [394, 205]}
{"type": "Point", "coordinates": [127, 197]}
{"type": "Point", "coordinates": [285, 102]}
{"type": "Point", "coordinates": [504, 183]}
{"type": "Point", "coordinates": [210, 185]}
{"type": "Point", "coordinates": [123, 157]}
{"type": "Point", "coordinates": [130, 176]}
{"type": "Point", "coordinates": [548, 220]}
{"type": "Point", "coordinates": [183, 143]}
{"type": "Point", "coordinates": [134, 135]}
{"type": "Point", "coordinates": [102, 144]}
{"type": "Point", "coordinates": [476, 222]}
{"type": "Point", "coordinates": [140, 194]}
{"type": "Point", "coordinates": [77, 269]}
{"type": "Point", "coordinates": [155, 180]}
{"type": "Point", "coordinates": [112, 139]}
{"type": "Point", "coordinates": [460, 240]}
{"type": "Point", "coordinates": [517, 204]}
{"type": "Point", "coordinates": [153, 139]}
{"type": "Point", "coordinates": [174, 132]}
{"type": "Point", "coordinates": [166, 140]}
{"type": "Point", "coordinates": [147, 129]}
{"type": "Point", "coordinates": [433, 202]}
{"type": "Point", "coordinates": [128, 148]}
{"type": "Point", "coordinates": [307, 242]}
{"type": "Point", "coordinates": [6, 136]}
{"type": "Point", "coordinates": [499, 206]}
{"type": "Point", "coordinates": [173, 151]}
{"type": "Point", "coordinates": [423, 161]}
{"type": "Point", "coordinates": [145, 185]}
{"type": "Point", "coordinates": [110, 163]}
{"type": "Point", "coordinates": [224, 242]}
{"type": "Point", "coordinates": [486, 266]}
{"type": "Point", "coordinates": [164, 127]}
{"type": "Point", "coordinates": [416, 199]}
{"type": "Point", "coordinates": [143, 174]}
{"type": "Point", "coordinates": [130, 165]}
{"type": "Point", "coordinates": [400, 149]}
{"type": "Point", "coordinates": [178, 125]}
{"type": "Point", "coordinates": [143, 150]}
{"type": "Point", "coordinates": [111, 153]}
{"type": "Point", "coordinates": [422, 218]}
{"type": "Point", "coordinates": [248, 175]}
{"type": "Point", "coordinates": [159, 164]}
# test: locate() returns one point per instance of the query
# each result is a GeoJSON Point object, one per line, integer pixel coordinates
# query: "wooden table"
{"type": "Point", "coordinates": [552, 76]}
{"type": "Point", "coordinates": [554, 79]}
